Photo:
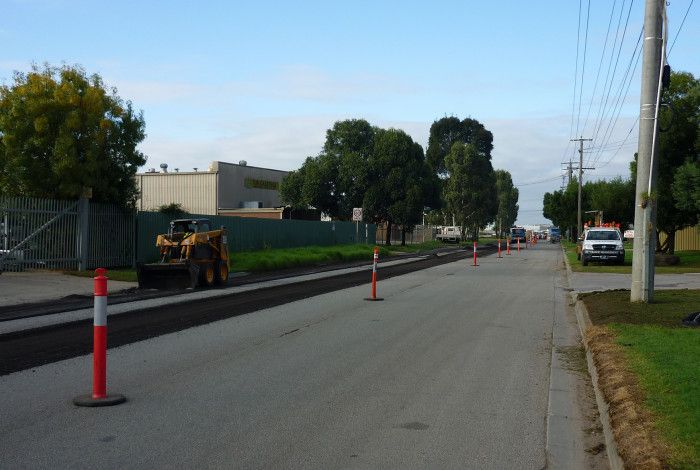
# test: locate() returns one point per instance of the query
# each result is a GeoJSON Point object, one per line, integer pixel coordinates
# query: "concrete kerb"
{"type": "Point", "coordinates": [584, 323]}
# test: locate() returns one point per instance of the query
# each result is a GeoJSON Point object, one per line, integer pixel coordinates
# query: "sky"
{"type": "Point", "coordinates": [262, 81]}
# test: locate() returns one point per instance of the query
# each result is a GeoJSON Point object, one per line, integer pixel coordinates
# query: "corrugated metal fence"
{"type": "Point", "coordinates": [254, 234]}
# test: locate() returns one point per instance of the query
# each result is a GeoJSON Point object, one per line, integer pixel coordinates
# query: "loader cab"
{"type": "Point", "coordinates": [189, 226]}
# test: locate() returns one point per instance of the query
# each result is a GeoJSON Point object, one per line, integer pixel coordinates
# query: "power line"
{"type": "Point", "coordinates": [617, 60]}
{"type": "Point", "coordinates": [578, 40]}
{"type": "Point", "coordinates": [530, 183]}
{"type": "Point", "coordinates": [679, 28]}
{"type": "Point", "coordinates": [583, 68]}
{"type": "Point", "coordinates": [620, 100]}
{"type": "Point", "coordinates": [600, 66]}
{"type": "Point", "coordinates": [616, 152]}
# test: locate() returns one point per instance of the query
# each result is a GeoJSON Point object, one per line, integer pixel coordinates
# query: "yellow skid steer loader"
{"type": "Point", "coordinates": [191, 255]}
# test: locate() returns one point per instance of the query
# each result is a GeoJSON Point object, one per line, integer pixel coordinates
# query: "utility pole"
{"type": "Point", "coordinates": [580, 140]}
{"type": "Point", "coordinates": [642, 289]}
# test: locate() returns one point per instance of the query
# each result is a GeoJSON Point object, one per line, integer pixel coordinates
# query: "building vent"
{"type": "Point", "coordinates": [151, 170]}
{"type": "Point", "coordinates": [164, 167]}
{"type": "Point", "coordinates": [243, 163]}
{"type": "Point", "coordinates": [195, 169]}
{"type": "Point", "coordinates": [177, 170]}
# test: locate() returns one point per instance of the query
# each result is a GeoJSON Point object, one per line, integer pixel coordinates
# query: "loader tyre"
{"type": "Point", "coordinates": [208, 275]}
{"type": "Point", "coordinates": [221, 274]}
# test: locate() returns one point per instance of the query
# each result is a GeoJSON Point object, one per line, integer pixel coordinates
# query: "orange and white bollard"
{"type": "Point", "coordinates": [518, 246]}
{"type": "Point", "coordinates": [475, 265]}
{"type": "Point", "coordinates": [508, 246]}
{"type": "Point", "coordinates": [499, 248]}
{"type": "Point", "coordinates": [374, 276]}
{"type": "Point", "coordinates": [99, 396]}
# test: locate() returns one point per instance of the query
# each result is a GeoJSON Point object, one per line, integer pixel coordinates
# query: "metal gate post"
{"type": "Point", "coordinates": [84, 234]}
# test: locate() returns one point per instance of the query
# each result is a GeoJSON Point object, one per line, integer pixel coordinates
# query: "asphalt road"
{"type": "Point", "coordinates": [451, 370]}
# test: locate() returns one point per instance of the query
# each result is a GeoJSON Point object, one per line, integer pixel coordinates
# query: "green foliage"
{"type": "Point", "coordinates": [336, 180]}
{"type": "Point", "coordinates": [445, 132]}
{"type": "Point", "coordinates": [561, 206]}
{"type": "Point", "coordinates": [615, 198]}
{"type": "Point", "coordinates": [62, 131]}
{"type": "Point", "coordinates": [273, 259]}
{"type": "Point", "coordinates": [470, 190]}
{"type": "Point", "coordinates": [679, 144]}
{"type": "Point", "coordinates": [398, 171]}
{"type": "Point", "coordinates": [686, 187]}
{"type": "Point", "coordinates": [173, 210]}
{"type": "Point", "coordinates": [507, 199]}
{"type": "Point", "coordinates": [382, 171]}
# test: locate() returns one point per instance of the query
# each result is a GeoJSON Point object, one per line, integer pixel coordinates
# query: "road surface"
{"type": "Point", "coordinates": [451, 370]}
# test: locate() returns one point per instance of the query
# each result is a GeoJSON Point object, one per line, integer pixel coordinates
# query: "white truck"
{"type": "Point", "coordinates": [450, 233]}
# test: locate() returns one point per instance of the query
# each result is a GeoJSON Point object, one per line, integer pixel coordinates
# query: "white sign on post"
{"type": "Point", "coordinates": [357, 214]}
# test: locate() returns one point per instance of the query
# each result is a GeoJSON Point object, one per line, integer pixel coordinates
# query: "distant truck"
{"type": "Point", "coordinates": [450, 234]}
{"type": "Point", "coordinates": [518, 233]}
{"type": "Point", "coordinates": [554, 235]}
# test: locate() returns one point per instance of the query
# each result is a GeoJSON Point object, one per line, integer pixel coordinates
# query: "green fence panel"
{"type": "Point", "coordinates": [247, 234]}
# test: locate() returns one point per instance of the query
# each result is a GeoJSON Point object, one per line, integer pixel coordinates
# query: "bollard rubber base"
{"type": "Point", "coordinates": [109, 400]}
{"type": "Point", "coordinates": [374, 299]}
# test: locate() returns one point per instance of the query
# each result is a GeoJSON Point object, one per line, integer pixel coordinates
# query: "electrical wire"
{"type": "Point", "coordinates": [530, 183]}
{"type": "Point", "coordinates": [600, 66]}
{"type": "Point", "coordinates": [583, 68]}
{"type": "Point", "coordinates": [620, 99]}
{"type": "Point", "coordinates": [612, 79]}
{"type": "Point", "coordinates": [679, 28]}
{"type": "Point", "coordinates": [602, 105]}
{"type": "Point", "coordinates": [578, 40]}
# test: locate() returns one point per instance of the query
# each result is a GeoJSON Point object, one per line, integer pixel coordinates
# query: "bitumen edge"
{"type": "Point", "coordinates": [584, 323]}
{"type": "Point", "coordinates": [31, 324]}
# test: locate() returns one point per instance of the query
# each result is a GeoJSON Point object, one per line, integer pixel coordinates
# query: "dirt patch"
{"type": "Point", "coordinates": [639, 446]}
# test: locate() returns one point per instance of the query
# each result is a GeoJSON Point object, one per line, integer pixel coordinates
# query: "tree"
{"type": "Point", "coordinates": [470, 190]}
{"type": "Point", "coordinates": [686, 187]}
{"type": "Point", "coordinates": [679, 144]}
{"type": "Point", "coordinates": [397, 189]}
{"type": "Point", "coordinates": [173, 210]}
{"type": "Point", "coordinates": [336, 180]}
{"type": "Point", "coordinates": [62, 132]}
{"type": "Point", "coordinates": [561, 206]}
{"type": "Point", "coordinates": [507, 199]}
{"type": "Point", "coordinates": [615, 198]}
{"type": "Point", "coordinates": [445, 132]}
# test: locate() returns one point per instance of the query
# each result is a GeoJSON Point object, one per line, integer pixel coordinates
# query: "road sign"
{"type": "Point", "coordinates": [357, 214]}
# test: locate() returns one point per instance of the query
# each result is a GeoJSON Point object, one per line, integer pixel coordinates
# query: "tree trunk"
{"type": "Point", "coordinates": [670, 243]}
{"type": "Point", "coordinates": [388, 233]}
{"type": "Point", "coordinates": [403, 236]}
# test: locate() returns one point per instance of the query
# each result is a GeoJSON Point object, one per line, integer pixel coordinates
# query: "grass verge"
{"type": "Point", "coordinates": [274, 259]}
{"type": "Point", "coordinates": [283, 258]}
{"type": "Point", "coordinates": [650, 375]}
{"type": "Point", "coordinates": [690, 262]}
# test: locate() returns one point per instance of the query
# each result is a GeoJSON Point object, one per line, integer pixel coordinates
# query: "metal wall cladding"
{"type": "Point", "coordinates": [247, 234]}
{"type": "Point", "coordinates": [196, 192]}
{"type": "Point", "coordinates": [688, 239]}
{"type": "Point", "coordinates": [234, 190]}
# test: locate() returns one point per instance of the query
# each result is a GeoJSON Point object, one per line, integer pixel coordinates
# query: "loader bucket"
{"type": "Point", "coordinates": [167, 276]}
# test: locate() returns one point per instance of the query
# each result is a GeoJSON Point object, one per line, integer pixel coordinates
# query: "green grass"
{"type": "Point", "coordinates": [120, 274]}
{"type": "Point", "coordinates": [413, 248]}
{"type": "Point", "coordinates": [690, 262]}
{"type": "Point", "coordinates": [665, 356]}
{"type": "Point", "coordinates": [274, 259]}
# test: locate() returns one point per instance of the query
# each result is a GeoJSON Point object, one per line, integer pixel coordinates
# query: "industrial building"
{"type": "Point", "coordinates": [223, 189]}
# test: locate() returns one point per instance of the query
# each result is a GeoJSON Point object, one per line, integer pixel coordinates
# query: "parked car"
{"type": "Point", "coordinates": [602, 244]}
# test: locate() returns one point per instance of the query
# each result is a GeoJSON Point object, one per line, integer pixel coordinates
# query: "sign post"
{"type": "Point", "coordinates": [357, 218]}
